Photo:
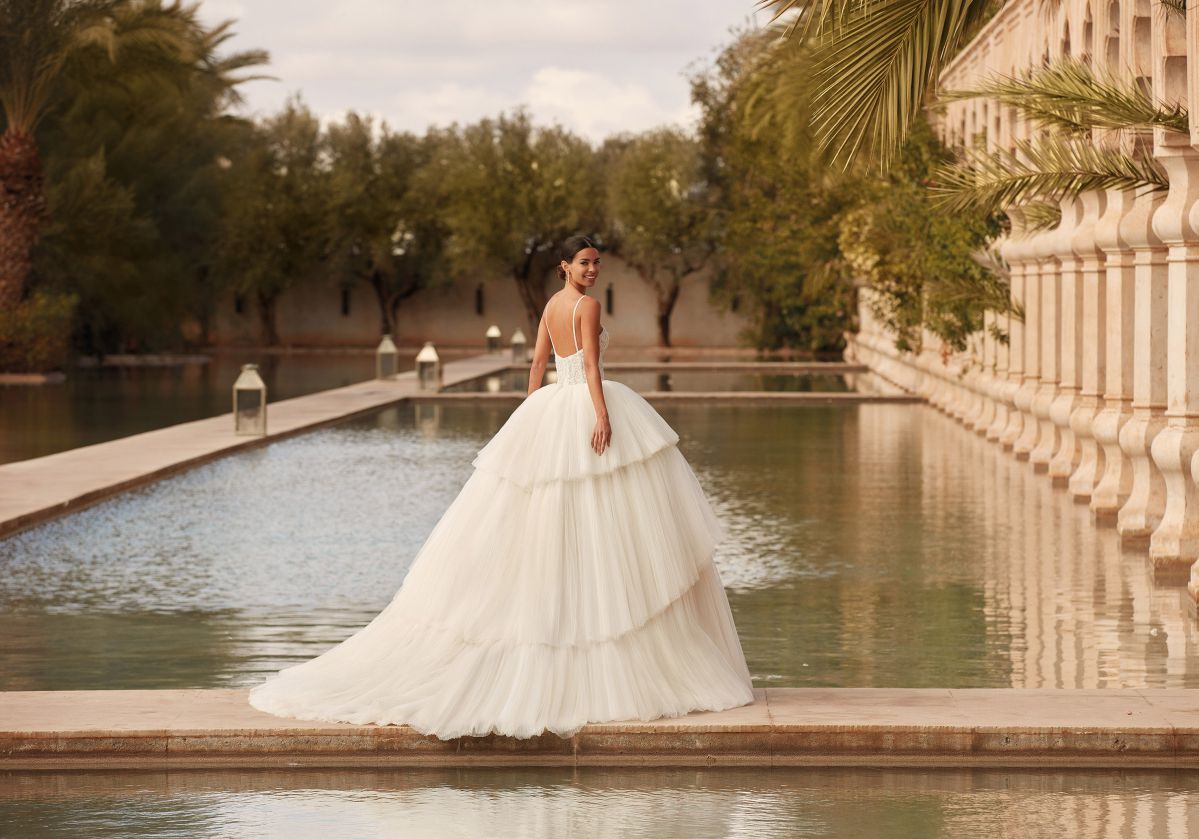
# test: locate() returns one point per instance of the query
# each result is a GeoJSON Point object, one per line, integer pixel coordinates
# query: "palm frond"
{"type": "Point", "coordinates": [1070, 96]}
{"type": "Point", "coordinates": [810, 18]}
{"type": "Point", "coordinates": [1050, 168]}
{"type": "Point", "coordinates": [1041, 215]}
{"type": "Point", "coordinates": [1178, 7]}
{"type": "Point", "coordinates": [873, 63]}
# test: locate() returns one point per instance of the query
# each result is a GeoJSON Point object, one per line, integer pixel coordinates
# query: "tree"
{"type": "Point", "coordinates": [385, 226]}
{"type": "Point", "coordinates": [661, 214]}
{"type": "Point", "coordinates": [37, 37]}
{"type": "Point", "coordinates": [863, 69]}
{"type": "Point", "coordinates": [133, 149]}
{"type": "Point", "coordinates": [923, 263]}
{"type": "Point", "coordinates": [512, 194]}
{"type": "Point", "coordinates": [276, 218]}
{"type": "Point", "coordinates": [777, 212]}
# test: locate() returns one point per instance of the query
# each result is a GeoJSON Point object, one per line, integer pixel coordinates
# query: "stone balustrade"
{"type": "Point", "coordinates": [1098, 385]}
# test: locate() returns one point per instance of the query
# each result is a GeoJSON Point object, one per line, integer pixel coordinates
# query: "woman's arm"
{"type": "Point", "coordinates": [589, 317]}
{"type": "Point", "coordinates": [541, 356]}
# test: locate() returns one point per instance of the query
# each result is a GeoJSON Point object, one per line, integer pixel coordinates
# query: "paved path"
{"type": "Point", "coordinates": [784, 726]}
{"type": "Point", "coordinates": [32, 491]}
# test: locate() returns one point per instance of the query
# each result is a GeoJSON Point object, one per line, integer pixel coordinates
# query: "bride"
{"type": "Point", "coordinates": [570, 581]}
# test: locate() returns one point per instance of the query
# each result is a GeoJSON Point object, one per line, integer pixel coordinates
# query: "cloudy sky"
{"type": "Point", "coordinates": [595, 67]}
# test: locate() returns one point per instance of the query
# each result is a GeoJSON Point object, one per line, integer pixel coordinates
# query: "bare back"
{"type": "Point", "coordinates": [562, 322]}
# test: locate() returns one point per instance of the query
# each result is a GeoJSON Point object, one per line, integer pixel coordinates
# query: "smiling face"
{"type": "Point", "coordinates": [584, 270]}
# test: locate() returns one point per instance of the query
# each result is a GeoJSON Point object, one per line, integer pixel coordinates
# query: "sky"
{"type": "Point", "coordinates": [597, 68]}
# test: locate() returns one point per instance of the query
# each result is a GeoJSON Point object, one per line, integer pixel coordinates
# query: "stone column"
{"type": "Point", "coordinates": [996, 415]}
{"type": "Point", "coordinates": [1176, 538]}
{"type": "Point", "coordinates": [1116, 481]}
{"type": "Point", "coordinates": [1064, 457]}
{"type": "Point", "coordinates": [980, 377]}
{"type": "Point", "coordinates": [1051, 346]}
{"type": "Point", "coordinates": [1092, 349]}
{"type": "Point", "coordinates": [1142, 511]}
{"type": "Point", "coordinates": [1031, 373]}
{"type": "Point", "coordinates": [1014, 250]}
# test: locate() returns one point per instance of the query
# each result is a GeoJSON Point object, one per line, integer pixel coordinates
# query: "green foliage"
{"type": "Point", "coordinates": [385, 226]}
{"type": "Point", "coordinates": [660, 210]}
{"type": "Point", "coordinates": [35, 334]}
{"type": "Point", "coordinates": [776, 213]}
{"type": "Point", "coordinates": [1070, 96]}
{"type": "Point", "coordinates": [922, 262]}
{"type": "Point", "coordinates": [868, 66]}
{"type": "Point", "coordinates": [133, 149]}
{"type": "Point", "coordinates": [511, 193]}
{"type": "Point", "coordinates": [276, 220]}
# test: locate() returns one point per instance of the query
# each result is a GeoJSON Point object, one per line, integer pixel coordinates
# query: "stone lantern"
{"type": "Point", "coordinates": [428, 368]}
{"type": "Point", "coordinates": [249, 402]}
{"type": "Point", "coordinates": [519, 343]}
{"type": "Point", "coordinates": [386, 359]}
{"type": "Point", "coordinates": [493, 338]}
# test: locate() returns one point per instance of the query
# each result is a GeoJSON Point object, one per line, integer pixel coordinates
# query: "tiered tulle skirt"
{"type": "Point", "coordinates": [560, 587]}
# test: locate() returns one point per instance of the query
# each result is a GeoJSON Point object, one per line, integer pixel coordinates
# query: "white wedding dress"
{"type": "Point", "coordinates": [560, 587]}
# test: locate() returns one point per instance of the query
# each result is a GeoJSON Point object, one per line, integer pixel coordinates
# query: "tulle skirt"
{"type": "Point", "coordinates": [560, 587]}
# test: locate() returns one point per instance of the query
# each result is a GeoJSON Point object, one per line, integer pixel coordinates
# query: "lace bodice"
{"type": "Point", "coordinates": [570, 367]}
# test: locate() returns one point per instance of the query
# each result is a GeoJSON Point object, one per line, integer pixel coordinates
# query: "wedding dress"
{"type": "Point", "coordinates": [560, 587]}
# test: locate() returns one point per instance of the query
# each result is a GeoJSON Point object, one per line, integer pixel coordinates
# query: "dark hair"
{"type": "Point", "coordinates": [568, 249]}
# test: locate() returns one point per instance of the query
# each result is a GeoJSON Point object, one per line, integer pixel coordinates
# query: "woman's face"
{"type": "Point", "coordinates": [584, 270]}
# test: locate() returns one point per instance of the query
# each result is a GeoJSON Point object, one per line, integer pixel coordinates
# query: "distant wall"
{"type": "Point", "coordinates": [311, 314]}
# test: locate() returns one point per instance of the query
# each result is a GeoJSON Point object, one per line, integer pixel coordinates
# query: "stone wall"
{"type": "Point", "coordinates": [1098, 387]}
{"type": "Point", "coordinates": [311, 314]}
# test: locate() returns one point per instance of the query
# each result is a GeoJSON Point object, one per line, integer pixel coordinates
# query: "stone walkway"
{"type": "Point", "coordinates": [32, 491]}
{"type": "Point", "coordinates": [784, 726]}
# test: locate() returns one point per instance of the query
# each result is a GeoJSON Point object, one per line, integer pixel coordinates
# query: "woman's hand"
{"type": "Point", "coordinates": [602, 435]}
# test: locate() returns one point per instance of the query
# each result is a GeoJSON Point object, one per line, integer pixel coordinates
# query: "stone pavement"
{"type": "Point", "coordinates": [784, 726]}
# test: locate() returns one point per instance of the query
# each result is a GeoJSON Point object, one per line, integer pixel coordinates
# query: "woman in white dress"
{"type": "Point", "coordinates": [570, 581]}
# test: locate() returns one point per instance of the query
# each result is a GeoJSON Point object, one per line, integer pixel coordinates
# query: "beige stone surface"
{"type": "Point", "coordinates": [864, 726]}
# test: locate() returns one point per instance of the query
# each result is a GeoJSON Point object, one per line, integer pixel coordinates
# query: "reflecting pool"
{"type": "Point", "coordinates": [869, 545]}
{"type": "Point", "coordinates": [686, 381]}
{"type": "Point", "coordinates": [670, 803]}
{"type": "Point", "coordinates": [95, 404]}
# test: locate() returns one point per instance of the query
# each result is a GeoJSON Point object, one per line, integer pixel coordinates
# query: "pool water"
{"type": "Point", "coordinates": [869, 545]}
{"type": "Point", "coordinates": [666, 803]}
{"type": "Point", "coordinates": [684, 381]}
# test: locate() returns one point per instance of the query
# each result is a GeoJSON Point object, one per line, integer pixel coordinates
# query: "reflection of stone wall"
{"type": "Point", "coordinates": [311, 314]}
{"type": "Point", "coordinates": [1099, 385]}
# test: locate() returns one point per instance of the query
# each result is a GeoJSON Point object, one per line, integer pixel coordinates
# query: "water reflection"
{"type": "Point", "coordinates": [870, 545]}
{"type": "Point", "coordinates": [607, 802]}
{"type": "Point", "coordinates": [98, 404]}
{"type": "Point", "coordinates": [685, 381]}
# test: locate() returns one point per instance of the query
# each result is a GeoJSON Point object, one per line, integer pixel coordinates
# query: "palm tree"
{"type": "Point", "coordinates": [37, 39]}
{"type": "Point", "coordinates": [1067, 100]}
{"type": "Point", "coordinates": [873, 64]}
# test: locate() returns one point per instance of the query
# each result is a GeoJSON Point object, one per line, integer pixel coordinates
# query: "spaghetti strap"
{"type": "Point", "coordinates": [547, 327]}
{"type": "Point", "coordinates": [572, 322]}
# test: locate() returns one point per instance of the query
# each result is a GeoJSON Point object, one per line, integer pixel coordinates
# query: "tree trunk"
{"type": "Point", "coordinates": [531, 289]}
{"type": "Point", "coordinates": [667, 297]}
{"type": "Point", "coordinates": [415, 284]}
{"type": "Point", "coordinates": [22, 210]}
{"type": "Point", "coordinates": [386, 320]}
{"type": "Point", "coordinates": [266, 318]}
